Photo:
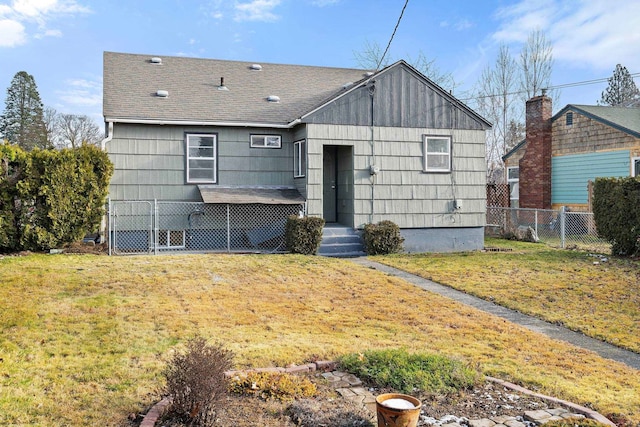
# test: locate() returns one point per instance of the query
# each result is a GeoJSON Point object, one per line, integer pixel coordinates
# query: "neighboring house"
{"type": "Point", "coordinates": [351, 146]}
{"type": "Point", "coordinates": [563, 153]}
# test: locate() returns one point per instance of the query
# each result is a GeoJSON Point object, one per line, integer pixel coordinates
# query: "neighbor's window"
{"type": "Point", "coordinates": [299, 158]}
{"type": "Point", "coordinates": [201, 158]}
{"type": "Point", "coordinates": [635, 166]}
{"type": "Point", "coordinates": [437, 153]}
{"type": "Point", "coordinates": [569, 119]}
{"type": "Point", "coordinates": [513, 178]}
{"type": "Point", "coordinates": [266, 141]}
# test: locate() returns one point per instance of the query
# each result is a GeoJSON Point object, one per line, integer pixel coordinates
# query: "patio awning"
{"type": "Point", "coordinates": [244, 195]}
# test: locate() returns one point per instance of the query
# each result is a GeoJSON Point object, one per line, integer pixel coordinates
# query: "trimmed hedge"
{"type": "Point", "coordinates": [303, 235]}
{"type": "Point", "coordinates": [616, 210]}
{"type": "Point", "coordinates": [382, 238]}
{"type": "Point", "coordinates": [51, 198]}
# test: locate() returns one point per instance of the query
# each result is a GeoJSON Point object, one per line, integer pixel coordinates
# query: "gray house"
{"type": "Point", "coordinates": [214, 155]}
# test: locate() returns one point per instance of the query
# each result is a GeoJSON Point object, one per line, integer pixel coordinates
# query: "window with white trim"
{"type": "Point", "coordinates": [299, 158]}
{"type": "Point", "coordinates": [513, 178]}
{"type": "Point", "coordinates": [201, 158]}
{"type": "Point", "coordinates": [171, 239]}
{"type": "Point", "coordinates": [437, 153]}
{"type": "Point", "coordinates": [635, 166]}
{"type": "Point", "coordinates": [266, 141]}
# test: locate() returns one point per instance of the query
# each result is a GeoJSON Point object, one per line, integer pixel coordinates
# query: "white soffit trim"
{"type": "Point", "coordinates": [201, 123]}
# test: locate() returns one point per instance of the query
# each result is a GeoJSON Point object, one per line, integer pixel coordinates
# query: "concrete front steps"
{"type": "Point", "coordinates": [341, 242]}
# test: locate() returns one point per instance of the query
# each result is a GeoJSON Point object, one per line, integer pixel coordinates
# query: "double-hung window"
{"type": "Point", "coordinates": [437, 153]}
{"type": "Point", "coordinates": [299, 158]}
{"type": "Point", "coordinates": [202, 158]}
{"type": "Point", "coordinates": [635, 166]}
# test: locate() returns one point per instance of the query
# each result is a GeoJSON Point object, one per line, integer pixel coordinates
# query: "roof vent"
{"type": "Point", "coordinates": [156, 60]}
{"type": "Point", "coordinates": [369, 74]}
{"type": "Point", "coordinates": [347, 85]}
{"type": "Point", "coordinates": [162, 93]}
{"type": "Point", "coordinates": [255, 67]}
{"type": "Point", "coordinates": [273, 98]}
{"type": "Point", "coordinates": [222, 86]}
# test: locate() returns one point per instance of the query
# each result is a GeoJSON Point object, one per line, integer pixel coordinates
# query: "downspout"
{"type": "Point", "coordinates": [372, 90]}
{"type": "Point", "coordinates": [103, 224]}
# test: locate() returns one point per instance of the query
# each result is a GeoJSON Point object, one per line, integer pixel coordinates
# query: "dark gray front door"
{"type": "Point", "coordinates": [329, 184]}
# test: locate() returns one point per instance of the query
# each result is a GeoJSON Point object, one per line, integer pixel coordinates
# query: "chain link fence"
{"type": "Point", "coordinates": [152, 227]}
{"type": "Point", "coordinates": [559, 228]}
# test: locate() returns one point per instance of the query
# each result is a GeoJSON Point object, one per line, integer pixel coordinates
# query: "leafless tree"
{"type": "Point", "coordinates": [370, 56]}
{"type": "Point", "coordinates": [73, 130]}
{"type": "Point", "coordinates": [497, 100]}
{"type": "Point", "coordinates": [536, 62]}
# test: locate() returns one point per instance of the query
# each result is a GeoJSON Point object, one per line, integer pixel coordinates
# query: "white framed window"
{"type": "Point", "coordinates": [266, 141]}
{"type": "Point", "coordinates": [299, 158]}
{"type": "Point", "coordinates": [513, 178]}
{"type": "Point", "coordinates": [635, 166]}
{"type": "Point", "coordinates": [202, 158]}
{"type": "Point", "coordinates": [437, 153]}
{"type": "Point", "coordinates": [169, 239]}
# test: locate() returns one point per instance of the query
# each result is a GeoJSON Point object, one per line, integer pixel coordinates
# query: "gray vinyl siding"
{"type": "Point", "coordinates": [402, 192]}
{"type": "Point", "coordinates": [150, 161]}
{"type": "Point", "coordinates": [401, 99]}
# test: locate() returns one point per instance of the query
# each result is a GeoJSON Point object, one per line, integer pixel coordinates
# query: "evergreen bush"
{"type": "Point", "coordinates": [303, 235]}
{"type": "Point", "coordinates": [51, 198]}
{"type": "Point", "coordinates": [616, 211]}
{"type": "Point", "coordinates": [382, 238]}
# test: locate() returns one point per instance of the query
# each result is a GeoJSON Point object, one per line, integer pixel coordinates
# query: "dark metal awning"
{"type": "Point", "coordinates": [242, 195]}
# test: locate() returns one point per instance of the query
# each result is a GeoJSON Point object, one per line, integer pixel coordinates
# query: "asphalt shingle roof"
{"type": "Point", "coordinates": [131, 82]}
{"type": "Point", "coordinates": [626, 119]}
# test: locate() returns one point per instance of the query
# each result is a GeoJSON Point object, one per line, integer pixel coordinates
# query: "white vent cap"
{"type": "Point", "coordinates": [369, 74]}
{"type": "Point", "coordinates": [347, 85]}
{"type": "Point", "coordinates": [162, 93]}
{"type": "Point", "coordinates": [256, 67]}
{"type": "Point", "coordinates": [273, 98]}
{"type": "Point", "coordinates": [156, 60]}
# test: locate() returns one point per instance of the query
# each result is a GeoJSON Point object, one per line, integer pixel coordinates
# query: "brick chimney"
{"type": "Point", "coordinates": [535, 165]}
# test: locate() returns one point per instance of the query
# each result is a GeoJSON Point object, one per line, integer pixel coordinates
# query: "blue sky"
{"type": "Point", "coordinates": [60, 42]}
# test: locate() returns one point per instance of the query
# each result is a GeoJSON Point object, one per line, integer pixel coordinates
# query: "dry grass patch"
{"type": "Point", "coordinates": [572, 288]}
{"type": "Point", "coordinates": [85, 338]}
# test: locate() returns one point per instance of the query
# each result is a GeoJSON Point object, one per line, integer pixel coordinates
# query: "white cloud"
{"type": "Point", "coordinates": [81, 93]}
{"type": "Point", "coordinates": [12, 34]}
{"type": "Point", "coordinates": [21, 15]}
{"type": "Point", "coordinates": [595, 34]}
{"type": "Point", "coordinates": [257, 10]}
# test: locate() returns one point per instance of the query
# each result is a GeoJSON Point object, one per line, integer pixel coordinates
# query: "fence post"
{"type": "Point", "coordinates": [109, 224]}
{"type": "Point", "coordinates": [535, 219]}
{"type": "Point", "coordinates": [155, 227]}
{"type": "Point", "coordinates": [562, 226]}
{"type": "Point", "coordinates": [228, 229]}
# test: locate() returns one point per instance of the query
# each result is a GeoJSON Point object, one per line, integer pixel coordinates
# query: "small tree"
{"type": "Point", "coordinates": [621, 88]}
{"type": "Point", "coordinates": [22, 122]}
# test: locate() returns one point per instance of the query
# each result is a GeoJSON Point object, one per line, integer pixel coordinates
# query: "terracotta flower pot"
{"type": "Point", "coordinates": [397, 410]}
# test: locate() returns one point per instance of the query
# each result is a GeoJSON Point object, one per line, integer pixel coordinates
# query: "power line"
{"type": "Point", "coordinates": [559, 86]}
{"type": "Point", "coordinates": [392, 35]}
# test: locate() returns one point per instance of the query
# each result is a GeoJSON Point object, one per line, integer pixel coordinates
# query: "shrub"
{"type": "Point", "coordinates": [616, 210]}
{"type": "Point", "coordinates": [382, 238]}
{"type": "Point", "coordinates": [303, 235]}
{"type": "Point", "coordinates": [408, 373]}
{"type": "Point", "coordinates": [273, 385]}
{"type": "Point", "coordinates": [195, 381]}
{"type": "Point", "coordinates": [49, 198]}
{"type": "Point", "coordinates": [574, 422]}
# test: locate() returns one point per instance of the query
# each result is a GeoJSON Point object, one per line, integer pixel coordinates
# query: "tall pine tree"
{"type": "Point", "coordinates": [621, 88]}
{"type": "Point", "coordinates": [22, 122]}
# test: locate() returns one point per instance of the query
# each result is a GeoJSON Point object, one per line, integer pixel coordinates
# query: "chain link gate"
{"type": "Point", "coordinates": [143, 227]}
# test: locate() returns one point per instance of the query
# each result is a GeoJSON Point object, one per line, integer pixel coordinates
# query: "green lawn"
{"type": "Point", "coordinates": [85, 338]}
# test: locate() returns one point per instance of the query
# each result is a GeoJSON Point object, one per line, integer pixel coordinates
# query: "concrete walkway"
{"type": "Point", "coordinates": [603, 349]}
